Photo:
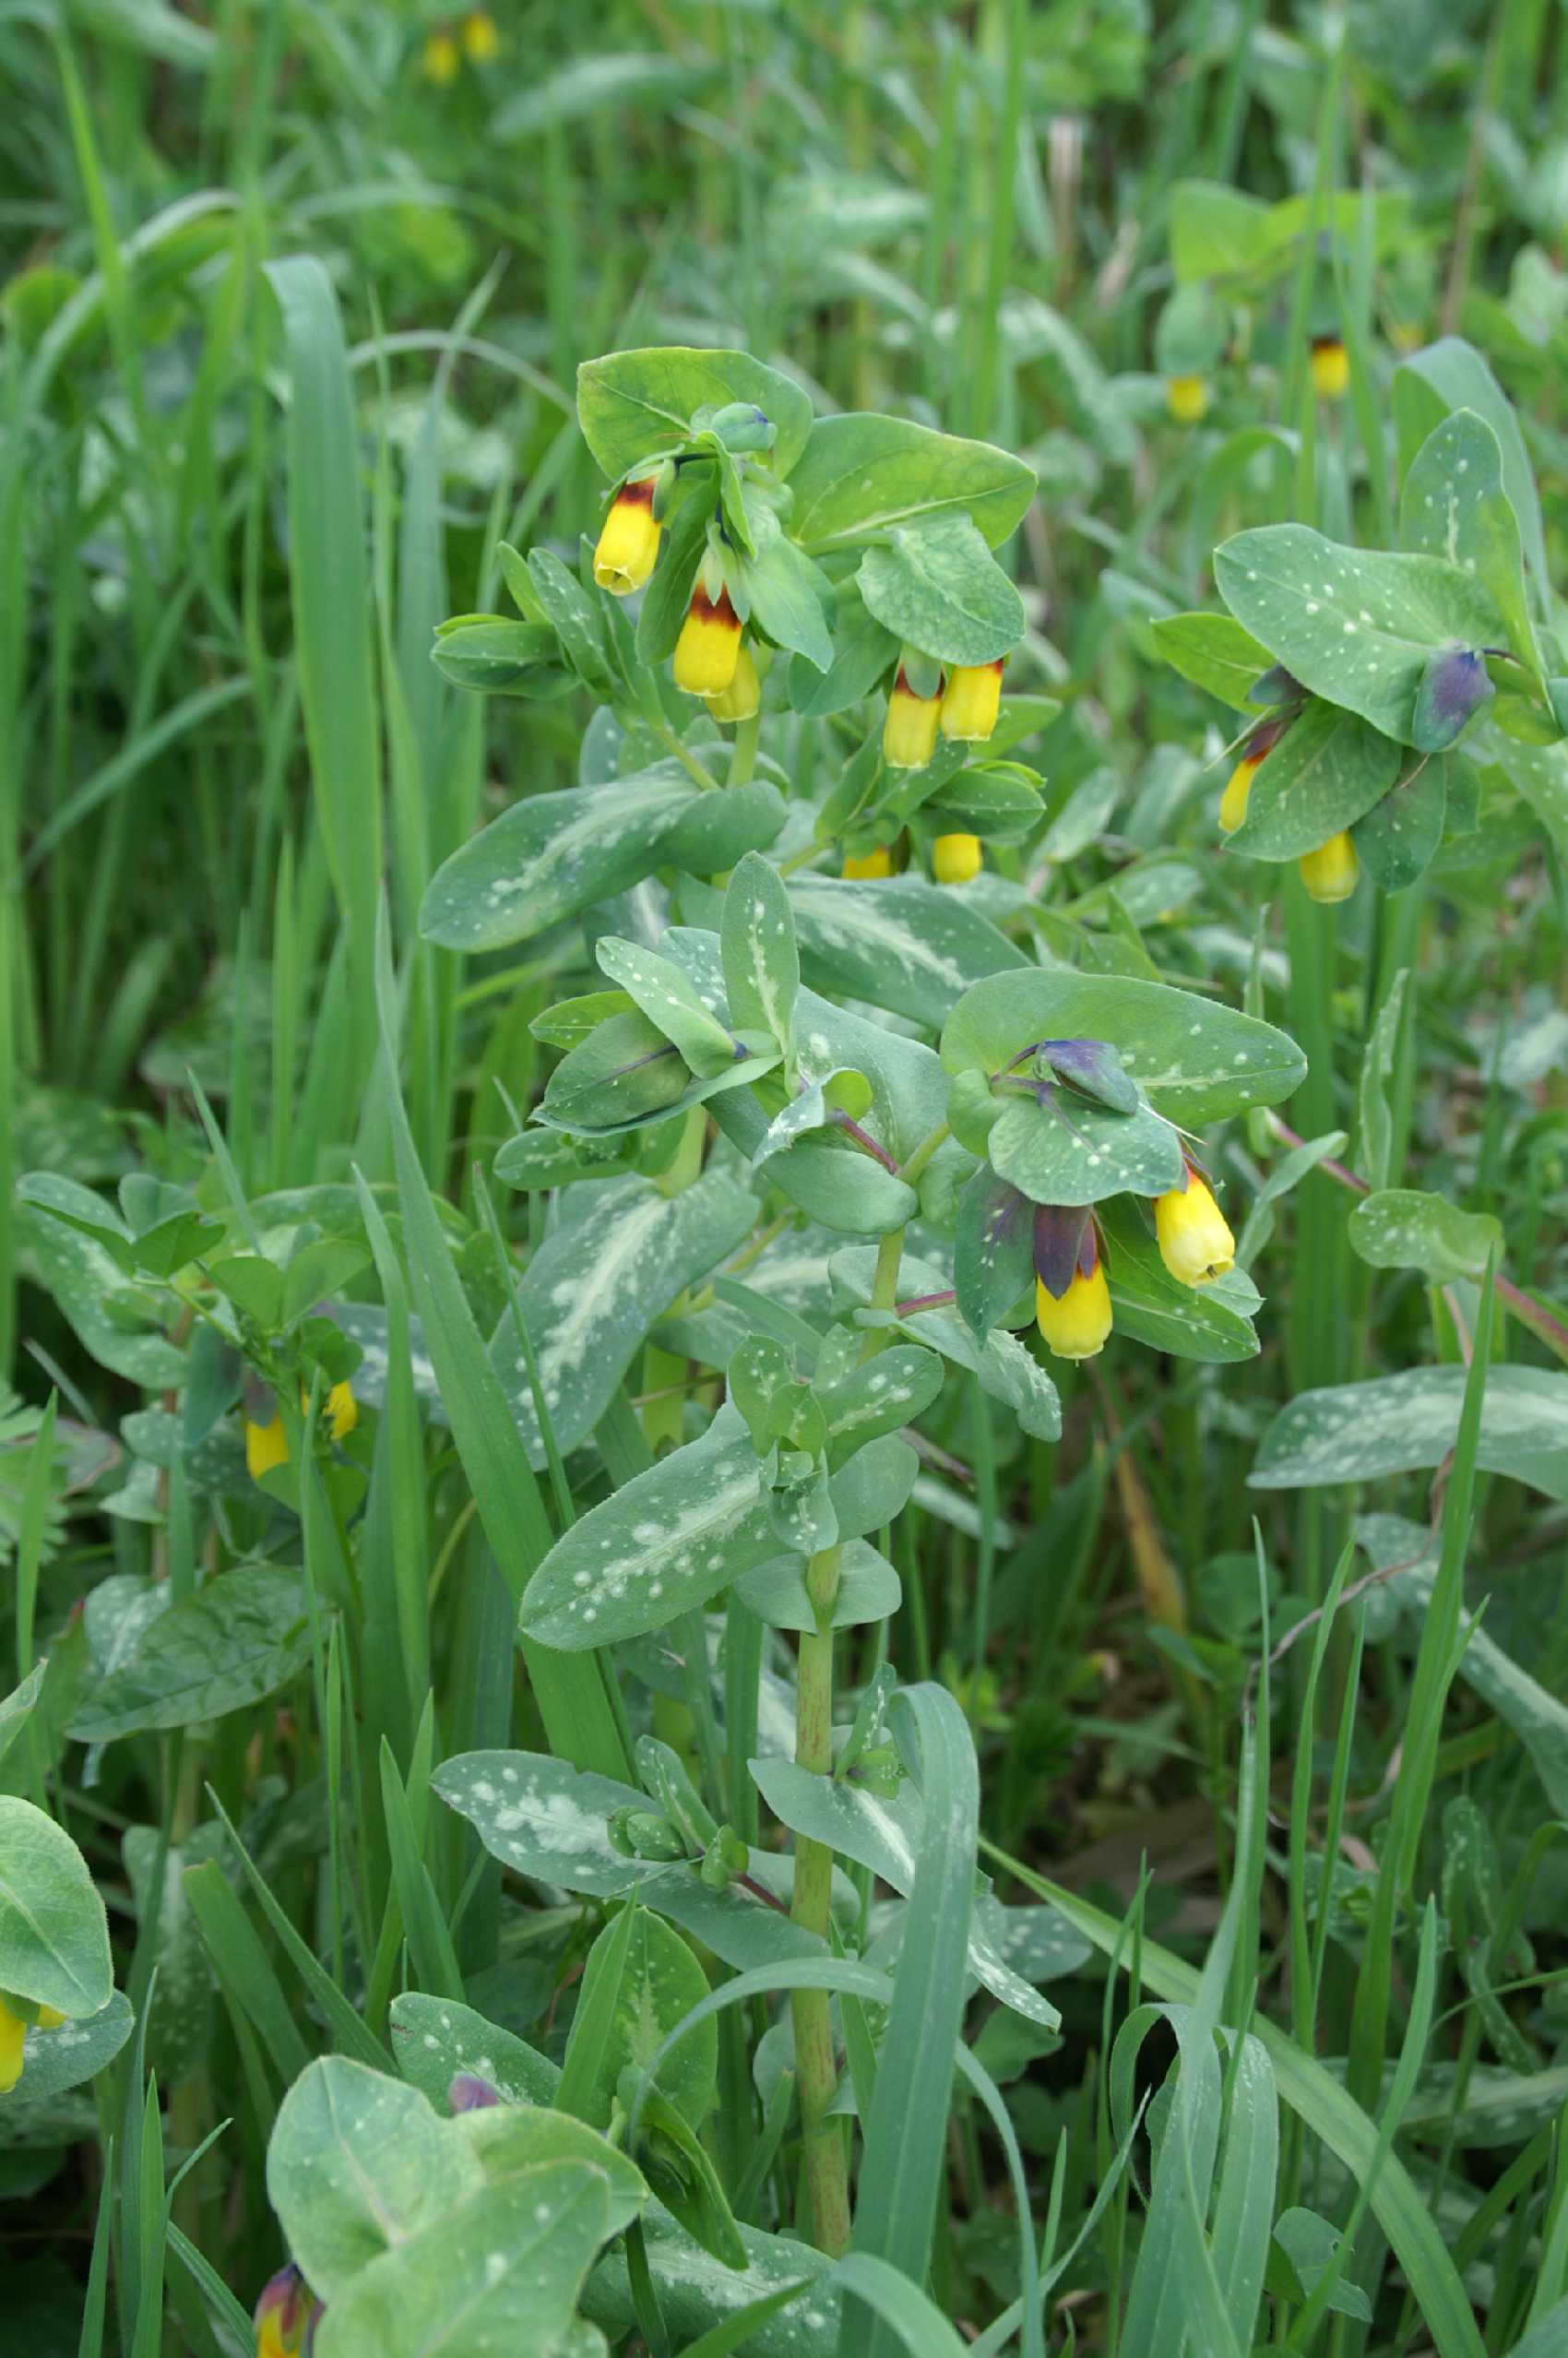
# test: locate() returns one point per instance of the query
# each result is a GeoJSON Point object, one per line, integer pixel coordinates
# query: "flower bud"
{"type": "Point", "coordinates": [956, 858]}
{"type": "Point", "coordinates": [13, 2032]}
{"type": "Point", "coordinates": [1195, 1243]}
{"type": "Point", "coordinates": [908, 734]}
{"type": "Point", "coordinates": [266, 1446]}
{"type": "Point", "coordinates": [970, 702]}
{"type": "Point", "coordinates": [470, 2093]}
{"type": "Point", "coordinates": [1186, 398]}
{"type": "Point", "coordinates": [628, 540]}
{"type": "Point", "coordinates": [1071, 1298]}
{"type": "Point", "coordinates": [1333, 871]}
{"type": "Point", "coordinates": [742, 699]}
{"type": "Point", "coordinates": [707, 653]}
{"type": "Point", "coordinates": [1330, 366]}
{"type": "Point", "coordinates": [482, 42]}
{"type": "Point", "coordinates": [440, 58]}
{"type": "Point", "coordinates": [861, 867]}
{"type": "Point", "coordinates": [285, 2315]}
{"type": "Point", "coordinates": [1238, 785]}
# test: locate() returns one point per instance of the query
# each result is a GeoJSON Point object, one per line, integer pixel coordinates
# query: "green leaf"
{"type": "Point", "coordinates": [1356, 625]}
{"type": "Point", "coordinates": [694, 2288]}
{"type": "Point", "coordinates": [786, 593]}
{"type": "Point", "coordinates": [1397, 839]}
{"type": "Point", "coordinates": [55, 2060]}
{"type": "Point", "coordinates": [630, 404]}
{"type": "Point", "coordinates": [993, 1264]}
{"type": "Point", "coordinates": [544, 1818]}
{"type": "Point", "coordinates": [657, 1982]}
{"type": "Point", "coordinates": [1449, 376]}
{"type": "Point", "coordinates": [862, 658]}
{"type": "Point", "coordinates": [552, 854]}
{"type": "Point", "coordinates": [1400, 1228]}
{"type": "Point", "coordinates": [357, 2162]}
{"type": "Point", "coordinates": [1305, 2245]}
{"type": "Point", "coordinates": [935, 585]}
{"type": "Point", "coordinates": [1077, 1153]}
{"type": "Point", "coordinates": [761, 965]}
{"type": "Point", "coordinates": [869, 1589]}
{"type": "Point", "coordinates": [502, 2271]}
{"type": "Point", "coordinates": [433, 2039]}
{"type": "Point", "coordinates": [1197, 1062]}
{"type": "Point", "coordinates": [896, 942]}
{"type": "Point", "coordinates": [598, 1283]}
{"type": "Point", "coordinates": [1204, 1322]}
{"type": "Point", "coordinates": [573, 616]}
{"type": "Point", "coordinates": [54, 1930]}
{"type": "Point", "coordinates": [862, 475]}
{"type": "Point", "coordinates": [1452, 505]}
{"type": "Point", "coordinates": [884, 1395]}
{"type": "Point", "coordinates": [1328, 768]}
{"type": "Point", "coordinates": [490, 655]}
{"type": "Point", "coordinates": [238, 1637]}
{"type": "Point", "coordinates": [1213, 652]}
{"type": "Point", "coordinates": [1397, 1423]}
{"type": "Point", "coordinates": [666, 997]}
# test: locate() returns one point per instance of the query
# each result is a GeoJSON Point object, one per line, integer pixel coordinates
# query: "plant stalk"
{"type": "Point", "coordinates": [825, 2161]}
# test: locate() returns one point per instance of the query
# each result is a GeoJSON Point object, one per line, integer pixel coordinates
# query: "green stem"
{"type": "Point", "coordinates": [826, 2168]}
{"type": "Point", "coordinates": [742, 754]}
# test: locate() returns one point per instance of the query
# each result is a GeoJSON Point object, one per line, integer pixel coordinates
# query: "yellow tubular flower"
{"type": "Point", "coordinates": [908, 734]}
{"type": "Point", "coordinates": [1333, 871]}
{"type": "Point", "coordinates": [13, 2030]}
{"type": "Point", "coordinates": [628, 540]}
{"type": "Point", "coordinates": [707, 653]}
{"type": "Point", "coordinates": [481, 39]}
{"type": "Point", "coordinates": [1076, 1325]}
{"type": "Point", "coordinates": [970, 702]}
{"type": "Point", "coordinates": [266, 1446]}
{"type": "Point", "coordinates": [1186, 398]}
{"type": "Point", "coordinates": [956, 858]}
{"type": "Point", "coordinates": [50, 2017]}
{"type": "Point", "coordinates": [742, 697]}
{"type": "Point", "coordinates": [342, 1411]}
{"type": "Point", "coordinates": [1331, 368]}
{"type": "Point", "coordinates": [1195, 1243]}
{"type": "Point", "coordinates": [440, 58]}
{"type": "Point", "coordinates": [870, 863]}
{"type": "Point", "coordinates": [285, 2316]}
{"type": "Point", "coordinates": [1238, 786]}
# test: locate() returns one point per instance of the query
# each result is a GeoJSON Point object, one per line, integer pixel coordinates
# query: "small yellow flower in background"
{"type": "Point", "coordinates": [342, 1411]}
{"type": "Point", "coordinates": [266, 1446]}
{"type": "Point", "coordinates": [1195, 1243]}
{"type": "Point", "coordinates": [908, 734]}
{"type": "Point", "coordinates": [1333, 871]}
{"type": "Point", "coordinates": [1331, 367]}
{"type": "Point", "coordinates": [956, 858]}
{"type": "Point", "coordinates": [707, 653]}
{"type": "Point", "coordinates": [742, 699]}
{"type": "Point", "coordinates": [863, 866]}
{"type": "Point", "coordinates": [13, 2030]}
{"type": "Point", "coordinates": [1076, 1326]}
{"type": "Point", "coordinates": [628, 540]}
{"type": "Point", "coordinates": [1186, 398]}
{"type": "Point", "coordinates": [440, 58]}
{"type": "Point", "coordinates": [482, 42]}
{"type": "Point", "coordinates": [970, 702]}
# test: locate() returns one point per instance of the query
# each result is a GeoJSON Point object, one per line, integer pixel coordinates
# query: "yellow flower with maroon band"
{"type": "Point", "coordinates": [956, 858]}
{"type": "Point", "coordinates": [1071, 1298]}
{"type": "Point", "coordinates": [1333, 871]}
{"type": "Point", "coordinates": [908, 734]}
{"type": "Point", "coordinates": [628, 540]}
{"type": "Point", "coordinates": [1195, 1243]}
{"type": "Point", "coordinates": [860, 867]}
{"type": "Point", "coordinates": [970, 702]}
{"type": "Point", "coordinates": [707, 653]}
{"type": "Point", "coordinates": [742, 699]}
{"type": "Point", "coordinates": [1331, 367]}
{"type": "Point", "coordinates": [1239, 786]}
{"type": "Point", "coordinates": [482, 42]}
{"type": "Point", "coordinates": [440, 58]}
{"type": "Point", "coordinates": [1186, 398]}
{"type": "Point", "coordinates": [286, 2316]}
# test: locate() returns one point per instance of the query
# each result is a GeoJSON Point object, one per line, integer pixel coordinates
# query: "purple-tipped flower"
{"type": "Point", "coordinates": [470, 2093]}
{"type": "Point", "coordinates": [1071, 1298]}
{"type": "Point", "coordinates": [1453, 688]}
{"type": "Point", "coordinates": [286, 2316]}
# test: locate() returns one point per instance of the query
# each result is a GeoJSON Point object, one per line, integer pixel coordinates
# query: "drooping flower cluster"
{"type": "Point", "coordinates": [1073, 1308]}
